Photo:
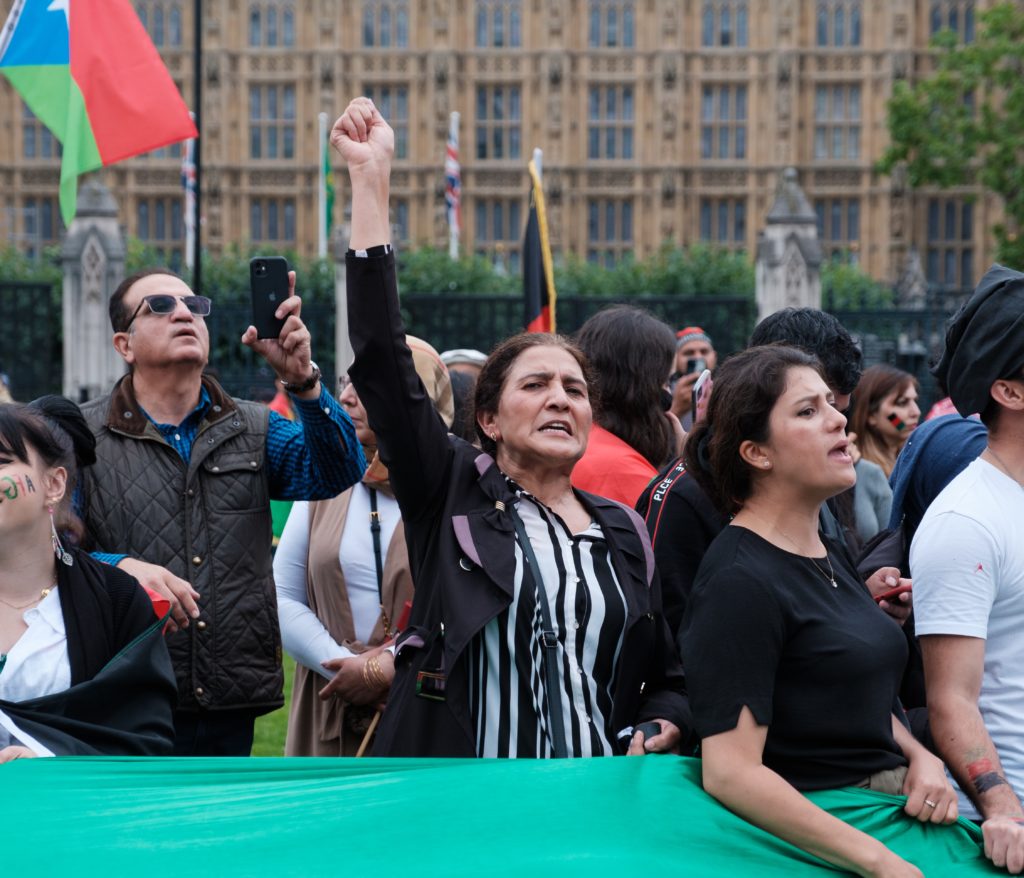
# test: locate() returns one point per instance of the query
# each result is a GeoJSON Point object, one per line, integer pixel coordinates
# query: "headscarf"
{"type": "Point", "coordinates": [984, 340]}
{"type": "Point", "coordinates": [434, 377]}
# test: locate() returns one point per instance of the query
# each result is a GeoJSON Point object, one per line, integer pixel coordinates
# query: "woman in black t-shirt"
{"type": "Point", "coordinates": [792, 669]}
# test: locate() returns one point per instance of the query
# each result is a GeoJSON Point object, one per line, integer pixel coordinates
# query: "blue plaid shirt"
{"type": "Point", "coordinates": [315, 458]}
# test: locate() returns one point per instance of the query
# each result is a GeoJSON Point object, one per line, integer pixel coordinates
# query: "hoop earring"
{"type": "Point", "coordinates": [63, 555]}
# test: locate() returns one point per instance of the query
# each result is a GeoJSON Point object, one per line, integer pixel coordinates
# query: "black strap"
{"type": "Point", "coordinates": [548, 640]}
{"type": "Point", "coordinates": [375, 530]}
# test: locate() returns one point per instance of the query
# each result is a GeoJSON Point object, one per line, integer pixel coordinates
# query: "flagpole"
{"type": "Point", "coordinates": [538, 157]}
{"type": "Point", "coordinates": [197, 100]}
{"type": "Point", "coordinates": [453, 186]}
{"type": "Point", "coordinates": [321, 231]}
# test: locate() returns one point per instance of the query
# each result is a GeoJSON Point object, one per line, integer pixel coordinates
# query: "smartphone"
{"type": "Point", "coordinates": [701, 390]}
{"type": "Point", "coordinates": [268, 281]}
{"type": "Point", "coordinates": [893, 593]}
{"type": "Point", "coordinates": [696, 364]}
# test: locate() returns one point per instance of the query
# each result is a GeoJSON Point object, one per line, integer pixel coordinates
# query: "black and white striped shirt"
{"type": "Point", "coordinates": [508, 698]}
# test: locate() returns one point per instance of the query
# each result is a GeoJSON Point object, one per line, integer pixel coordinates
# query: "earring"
{"type": "Point", "coordinates": [766, 464]}
{"type": "Point", "coordinates": [58, 549]}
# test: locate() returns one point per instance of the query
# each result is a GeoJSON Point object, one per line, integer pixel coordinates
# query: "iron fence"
{"type": "Point", "coordinates": [910, 339]}
{"type": "Point", "coordinates": [31, 351]}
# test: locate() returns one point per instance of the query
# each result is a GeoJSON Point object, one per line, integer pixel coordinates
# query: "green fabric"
{"type": "Point", "coordinates": [340, 817]}
{"type": "Point", "coordinates": [57, 101]}
{"type": "Point", "coordinates": [279, 512]}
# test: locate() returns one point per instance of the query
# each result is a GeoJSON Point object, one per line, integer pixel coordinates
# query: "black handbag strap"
{"type": "Point", "coordinates": [548, 640]}
{"type": "Point", "coordinates": [389, 632]}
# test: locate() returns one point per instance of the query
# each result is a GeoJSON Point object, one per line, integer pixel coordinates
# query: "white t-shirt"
{"type": "Point", "coordinates": [967, 561]}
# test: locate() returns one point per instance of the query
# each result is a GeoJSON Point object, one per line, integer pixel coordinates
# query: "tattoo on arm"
{"type": "Point", "coordinates": [984, 776]}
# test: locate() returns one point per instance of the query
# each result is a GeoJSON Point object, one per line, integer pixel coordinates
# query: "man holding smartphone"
{"type": "Point", "coordinates": [694, 354]}
{"type": "Point", "coordinates": [967, 559]}
{"type": "Point", "coordinates": [180, 495]}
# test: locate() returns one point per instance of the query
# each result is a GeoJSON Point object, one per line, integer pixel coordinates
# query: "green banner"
{"type": "Point", "coordinates": [184, 818]}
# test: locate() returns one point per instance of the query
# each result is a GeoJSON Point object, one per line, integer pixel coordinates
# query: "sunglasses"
{"type": "Point", "coordinates": [163, 303]}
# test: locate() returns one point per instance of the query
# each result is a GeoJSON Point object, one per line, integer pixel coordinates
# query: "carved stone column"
{"type": "Point", "coordinates": [788, 252]}
{"type": "Point", "coordinates": [93, 257]}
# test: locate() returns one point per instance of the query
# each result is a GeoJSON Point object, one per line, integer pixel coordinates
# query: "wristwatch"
{"type": "Point", "coordinates": [303, 386]}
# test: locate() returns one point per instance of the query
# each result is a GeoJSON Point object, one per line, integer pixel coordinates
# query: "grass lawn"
{"type": "Point", "coordinates": [271, 727]}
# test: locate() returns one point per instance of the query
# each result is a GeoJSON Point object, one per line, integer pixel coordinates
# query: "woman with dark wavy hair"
{"type": "Point", "coordinates": [631, 352]}
{"type": "Point", "coordinates": [793, 670]}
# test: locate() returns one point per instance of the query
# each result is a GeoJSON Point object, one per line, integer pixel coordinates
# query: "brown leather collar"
{"type": "Point", "coordinates": [125, 415]}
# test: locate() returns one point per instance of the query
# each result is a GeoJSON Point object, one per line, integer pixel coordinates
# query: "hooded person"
{"type": "Point", "coordinates": [344, 588]}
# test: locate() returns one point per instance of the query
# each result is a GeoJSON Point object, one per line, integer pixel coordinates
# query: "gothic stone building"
{"type": "Point", "coordinates": [660, 120]}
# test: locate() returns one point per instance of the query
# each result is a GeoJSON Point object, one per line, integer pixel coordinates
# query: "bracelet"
{"type": "Point", "coordinates": [377, 672]}
{"type": "Point", "coordinates": [303, 386]}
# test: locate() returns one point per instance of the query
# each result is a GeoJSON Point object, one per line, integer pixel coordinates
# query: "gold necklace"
{"type": "Point", "coordinates": [42, 595]}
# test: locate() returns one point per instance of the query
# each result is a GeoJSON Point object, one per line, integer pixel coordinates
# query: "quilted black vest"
{"type": "Point", "coordinates": [207, 522]}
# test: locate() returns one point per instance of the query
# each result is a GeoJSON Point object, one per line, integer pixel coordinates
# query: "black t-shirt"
{"type": "Point", "coordinates": [819, 666]}
{"type": "Point", "coordinates": [683, 522]}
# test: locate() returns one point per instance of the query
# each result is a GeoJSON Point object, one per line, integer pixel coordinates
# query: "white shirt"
{"type": "Point", "coordinates": [967, 561]}
{"type": "Point", "coordinates": [36, 665]}
{"type": "Point", "coordinates": [303, 635]}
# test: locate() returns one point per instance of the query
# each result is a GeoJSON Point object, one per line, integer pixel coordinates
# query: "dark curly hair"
{"type": "Point", "coordinates": [819, 333]}
{"type": "Point", "coordinates": [747, 386]}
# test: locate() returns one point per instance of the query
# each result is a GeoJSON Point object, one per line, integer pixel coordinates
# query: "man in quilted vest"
{"type": "Point", "coordinates": [180, 495]}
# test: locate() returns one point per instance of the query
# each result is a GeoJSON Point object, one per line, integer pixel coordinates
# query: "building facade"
{"type": "Point", "coordinates": [660, 120]}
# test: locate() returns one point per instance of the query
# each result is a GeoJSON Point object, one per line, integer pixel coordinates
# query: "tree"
{"type": "Point", "coordinates": [964, 123]}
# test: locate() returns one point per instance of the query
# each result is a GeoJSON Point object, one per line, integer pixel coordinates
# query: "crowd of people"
{"type": "Point", "coordinates": [551, 551]}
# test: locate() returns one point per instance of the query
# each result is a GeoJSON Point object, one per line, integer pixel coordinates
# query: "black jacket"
{"type": "Point", "coordinates": [122, 692]}
{"type": "Point", "coordinates": [461, 547]}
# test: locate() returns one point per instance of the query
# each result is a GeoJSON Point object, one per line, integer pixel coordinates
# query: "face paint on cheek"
{"type": "Point", "coordinates": [12, 487]}
{"type": "Point", "coordinates": [897, 421]}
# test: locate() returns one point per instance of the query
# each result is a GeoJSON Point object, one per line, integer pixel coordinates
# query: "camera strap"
{"type": "Point", "coordinates": [548, 640]}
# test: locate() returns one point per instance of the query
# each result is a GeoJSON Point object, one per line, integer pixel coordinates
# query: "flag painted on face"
{"type": "Point", "coordinates": [88, 70]}
{"type": "Point", "coordinates": [538, 270]}
{"type": "Point", "coordinates": [453, 186]}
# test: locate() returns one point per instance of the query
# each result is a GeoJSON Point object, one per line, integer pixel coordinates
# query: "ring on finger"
{"type": "Point", "coordinates": [930, 803]}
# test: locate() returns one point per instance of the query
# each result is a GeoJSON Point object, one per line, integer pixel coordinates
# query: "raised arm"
{"type": "Point", "coordinates": [411, 437]}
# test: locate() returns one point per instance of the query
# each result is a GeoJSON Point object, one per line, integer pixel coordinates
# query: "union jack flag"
{"type": "Point", "coordinates": [453, 185]}
{"type": "Point", "coordinates": [188, 183]}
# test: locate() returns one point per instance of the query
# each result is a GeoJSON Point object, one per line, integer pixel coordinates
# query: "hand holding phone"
{"type": "Point", "coordinates": [268, 282]}
{"type": "Point", "coordinates": [701, 393]}
{"type": "Point", "coordinates": [893, 593]}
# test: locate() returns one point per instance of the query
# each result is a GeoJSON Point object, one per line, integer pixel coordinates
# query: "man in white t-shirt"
{"type": "Point", "coordinates": [967, 560]}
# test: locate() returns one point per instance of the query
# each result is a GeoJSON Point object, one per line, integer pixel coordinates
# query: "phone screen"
{"type": "Point", "coordinates": [701, 393]}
